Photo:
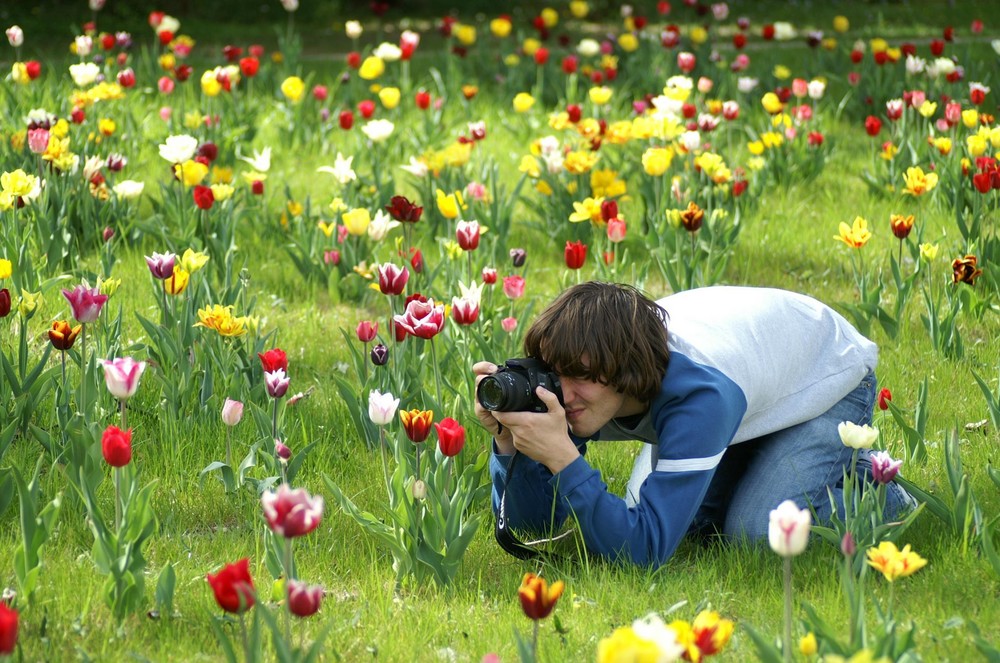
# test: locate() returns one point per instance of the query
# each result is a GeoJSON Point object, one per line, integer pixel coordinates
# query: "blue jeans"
{"type": "Point", "coordinates": [800, 464]}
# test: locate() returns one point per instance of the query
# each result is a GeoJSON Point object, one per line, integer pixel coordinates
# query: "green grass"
{"type": "Point", "coordinates": [787, 242]}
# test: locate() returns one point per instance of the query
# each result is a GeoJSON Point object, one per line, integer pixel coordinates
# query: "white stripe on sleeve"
{"type": "Point", "coordinates": [689, 464]}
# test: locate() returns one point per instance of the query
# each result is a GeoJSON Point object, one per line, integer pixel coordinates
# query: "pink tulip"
{"type": "Point", "coordinates": [509, 324]}
{"type": "Point", "coordinates": [122, 376]}
{"type": "Point", "coordinates": [165, 85]}
{"type": "Point", "coordinates": [367, 331]}
{"type": "Point", "coordinates": [232, 412]}
{"type": "Point", "coordinates": [513, 286]}
{"type": "Point", "coordinates": [85, 302]}
{"type": "Point", "coordinates": [421, 319]}
{"type": "Point", "coordinates": [276, 383]}
{"type": "Point", "coordinates": [616, 230]}
{"type": "Point", "coordinates": [38, 140]}
{"type": "Point", "coordinates": [291, 513]}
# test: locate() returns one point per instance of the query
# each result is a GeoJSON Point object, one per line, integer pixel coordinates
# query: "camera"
{"type": "Point", "coordinates": [512, 387]}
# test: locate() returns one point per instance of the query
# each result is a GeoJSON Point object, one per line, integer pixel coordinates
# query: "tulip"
{"type": "Point", "coordinates": [382, 407]}
{"type": "Point", "coordinates": [538, 598]}
{"type": "Point", "coordinates": [711, 632]}
{"type": "Point", "coordinates": [86, 303]}
{"type": "Point", "coordinates": [855, 436]}
{"type": "Point", "coordinates": [233, 587]}
{"type": "Point", "coordinates": [203, 197]}
{"type": "Point", "coordinates": [303, 600]}
{"type": "Point", "coordinates": [276, 382]}
{"type": "Point", "coordinates": [884, 396]}
{"type": "Point", "coordinates": [518, 257]}
{"type": "Point", "coordinates": [451, 436]}
{"type": "Point", "coordinates": [5, 304]}
{"type": "Point", "coordinates": [122, 376]}
{"type": "Point", "coordinates": [401, 209]}
{"type": "Point", "coordinates": [232, 412]}
{"type": "Point", "coordinates": [345, 119]}
{"type": "Point", "coordinates": [282, 451]}
{"type": "Point", "coordinates": [392, 279]}
{"type": "Point", "coordinates": [62, 336]}
{"type": "Point", "coordinates": [366, 331]}
{"type": "Point", "coordinates": [380, 355]}
{"type": "Point", "coordinates": [964, 270]}
{"type": "Point", "coordinates": [416, 424]}
{"type": "Point", "coordinates": [508, 324]}
{"type": "Point", "coordinates": [467, 234]}
{"type": "Point", "coordinates": [894, 563]}
{"type": "Point", "coordinates": [273, 359]}
{"type": "Point", "coordinates": [489, 275]}
{"type": "Point", "coordinates": [788, 529]}
{"type": "Point", "coordinates": [513, 286]}
{"type": "Point", "coordinates": [161, 265]}
{"type": "Point", "coordinates": [575, 254]}
{"type": "Point", "coordinates": [292, 513]}
{"type": "Point", "coordinates": [616, 230]}
{"type": "Point", "coordinates": [116, 446]}
{"type": "Point", "coordinates": [422, 319]}
{"type": "Point", "coordinates": [464, 311]}
{"type": "Point", "coordinates": [8, 628]}
{"type": "Point", "coordinates": [884, 468]}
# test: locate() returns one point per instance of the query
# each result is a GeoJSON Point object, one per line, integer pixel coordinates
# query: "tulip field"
{"type": "Point", "coordinates": [245, 272]}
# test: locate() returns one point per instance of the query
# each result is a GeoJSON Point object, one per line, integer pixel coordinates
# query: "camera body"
{"type": "Point", "coordinates": [512, 387]}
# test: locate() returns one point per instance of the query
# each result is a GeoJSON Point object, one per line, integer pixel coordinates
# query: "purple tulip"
{"type": "Point", "coordinates": [884, 468]}
{"type": "Point", "coordinates": [277, 383]}
{"type": "Point", "coordinates": [161, 265]}
{"type": "Point", "coordinates": [85, 302]}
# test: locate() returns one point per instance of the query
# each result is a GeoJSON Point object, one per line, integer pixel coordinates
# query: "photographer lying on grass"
{"type": "Point", "coordinates": [739, 405]}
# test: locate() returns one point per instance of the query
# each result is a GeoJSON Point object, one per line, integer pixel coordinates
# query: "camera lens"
{"type": "Point", "coordinates": [491, 393]}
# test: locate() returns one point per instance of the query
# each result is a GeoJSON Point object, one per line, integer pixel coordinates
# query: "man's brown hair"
{"type": "Point", "coordinates": [607, 332]}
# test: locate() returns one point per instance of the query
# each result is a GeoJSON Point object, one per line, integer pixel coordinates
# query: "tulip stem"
{"type": "Point", "coordinates": [534, 641]}
{"type": "Point", "coordinates": [437, 374]}
{"type": "Point", "coordinates": [787, 648]}
{"type": "Point", "coordinates": [229, 453]}
{"type": "Point", "coordinates": [83, 371]}
{"type": "Point", "coordinates": [121, 403]}
{"type": "Point", "coordinates": [118, 500]}
{"type": "Point", "coordinates": [243, 632]}
{"type": "Point", "coordinates": [288, 576]}
{"type": "Point", "coordinates": [274, 420]}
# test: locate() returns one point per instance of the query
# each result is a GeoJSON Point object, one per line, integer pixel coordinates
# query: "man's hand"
{"type": "Point", "coordinates": [502, 436]}
{"type": "Point", "coordinates": [542, 436]}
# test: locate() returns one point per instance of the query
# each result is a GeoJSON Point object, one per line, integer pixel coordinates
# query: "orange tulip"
{"type": "Point", "coordinates": [62, 335]}
{"type": "Point", "coordinates": [538, 598]}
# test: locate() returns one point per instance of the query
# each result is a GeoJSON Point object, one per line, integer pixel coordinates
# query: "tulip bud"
{"type": "Point", "coordinates": [380, 355]}
{"type": "Point", "coordinates": [419, 489]}
{"type": "Point", "coordinates": [847, 544]}
{"type": "Point", "coordinates": [366, 331]}
{"type": "Point", "coordinates": [232, 412]}
{"type": "Point", "coordinates": [518, 256]}
{"type": "Point", "coordinates": [282, 451]}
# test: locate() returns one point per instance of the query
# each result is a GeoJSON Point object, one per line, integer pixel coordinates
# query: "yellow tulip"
{"type": "Point", "coordinates": [628, 42]}
{"type": "Point", "coordinates": [894, 563]}
{"type": "Point", "coordinates": [771, 103]}
{"type": "Point", "coordinates": [210, 85]}
{"type": "Point", "coordinates": [29, 304]}
{"type": "Point", "coordinates": [357, 221]}
{"type": "Point", "coordinates": [501, 27]}
{"type": "Point", "coordinates": [588, 210]}
{"type": "Point", "coordinates": [465, 34]}
{"type": "Point", "coordinates": [371, 68]}
{"type": "Point", "coordinates": [656, 160]}
{"type": "Point", "coordinates": [6, 268]}
{"type": "Point", "coordinates": [178, 281]}
{"type": "Point", "coordinates": [918, 183]}
{"type": "Point", "coordinates": [600, 95]}
{"type": "Point", "coordinates": [699, 35]}
{"type": "Point", "coordinates": [550, 17]}
{"type": "Point", "coordinates": [193, 260]}
{"type": "Point", "coordinates": [190, 172]}
{"type": "Point", "coordinates": [293, 88]}
{"type": "Point", "coordinates": [579, 8]}
{"type": "Point", "coordinates": [841, 24]}
{"type": "Point", "coordinates": [928, 251]}
{"type": "Point", "coordinates": [781, 72]}
{"type": "Point", "coordinates": [389, 96]}
{"type": "Point", "coordinates": [450, 204]}
{"type": "Point", "coordinates": [222, 192]}
{"type": "Point", "coordinates": [856, 235]}
{"type": "Point", "coordinates": [530, 46]}
{"type": "Point", "coordinates": [523, 102]}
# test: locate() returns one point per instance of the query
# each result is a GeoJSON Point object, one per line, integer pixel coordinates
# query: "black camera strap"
{"type": "Point", "coordinates": [505, 537]}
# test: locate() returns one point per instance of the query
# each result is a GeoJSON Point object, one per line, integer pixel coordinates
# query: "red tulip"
{"type": "Point", "coordinates": [203, 197]}
{"type": "Point", "coordinates": [249, 66]}
{"type": "Point", "coordinates": [884, 396]}
{"type": "Point", "coordinates": [576, 254]}
{"type": "Point", "coordinates": [489, 275]}
{"type": "Point", "coordinates": [273, 359]}
{"type": "Point", "coordinates": [422, 99]}
{"type": "Point", "coordinates": [467, 234]}
{"type": "Point", "coordinates": [767, 32]}
{"type": "Point", "coordinates": [303, 600]}
{"type": "Point", "coordinates": [366, 108]}
{"type": "Point", "coordinates": [5, 305]}
{"type": "Point", "coordinates": [116, 446]}
{"type": "Point", "coordinates": [354, 59]}
{"type": "Point", "coordinates": [401, 209]}
{"type": "Point", "coordinates": [570, 64]}
{"type": "Point", "coordinates": [8, 629]}
{"type": "Point", "coordinates": [416, 424]}
{"type": "Point", "coordinates": [257, 188]}
{"type": "Point", "coordinates": [451, 437]}
{"type": "Point", "coordinates": [873, 125]}
{"type": "Point", "coordinates": [538, 598]}
{"type": "Point", "coordinates": [541, 56]}
{"type": "Point", "coordinates": [233, 587]}
{"type": "Point", "coordinates": [346, 119]}
{"type": "Point", "coordinates": [513, 286]}
{"type": "Point", "coordinates": [464, 311]}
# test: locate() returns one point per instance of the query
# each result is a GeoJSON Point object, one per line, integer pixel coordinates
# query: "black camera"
{"type": "Point", "coordinates": [512, 387]}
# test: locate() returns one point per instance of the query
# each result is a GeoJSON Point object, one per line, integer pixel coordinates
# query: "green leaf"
{"type": "Point", "coordinates": [165, 584]}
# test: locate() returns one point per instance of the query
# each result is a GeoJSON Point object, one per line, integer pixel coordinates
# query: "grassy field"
{"type": "Point", "coordinates": [786, 241]}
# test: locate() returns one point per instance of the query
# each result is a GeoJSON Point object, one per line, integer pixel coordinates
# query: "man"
{"type": "Point", "coordinates": [739, 404]}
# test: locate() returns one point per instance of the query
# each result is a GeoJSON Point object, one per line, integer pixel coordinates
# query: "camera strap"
{"type": "Point", "coordinates": [505, 537]}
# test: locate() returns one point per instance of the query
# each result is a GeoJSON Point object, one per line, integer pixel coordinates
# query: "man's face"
{"type": "Point", "coordinates": [590, 405]}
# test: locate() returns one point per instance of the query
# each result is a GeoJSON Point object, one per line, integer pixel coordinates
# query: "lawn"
{"type": "Point", "coordinates": [233, 188]}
